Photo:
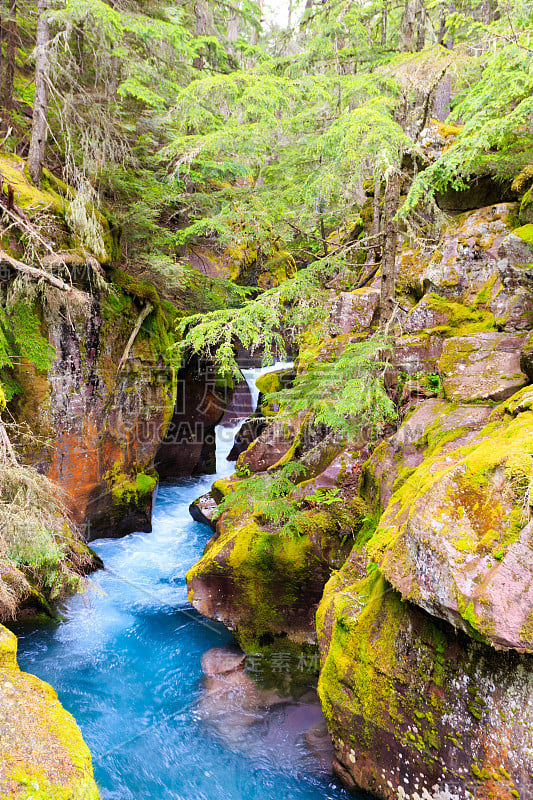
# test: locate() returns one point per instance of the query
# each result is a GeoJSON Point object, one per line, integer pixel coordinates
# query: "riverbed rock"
{"type": "Point", "coordinates": [42, 753]}
{"type": "Point", "coordinates": [482, 366]}
{"type": "Point", "coordinates": [415, 709]}
{"type": "Point", "coordinates": [203, 510]}
{"type": "Point", "coordinates": [265, 586]}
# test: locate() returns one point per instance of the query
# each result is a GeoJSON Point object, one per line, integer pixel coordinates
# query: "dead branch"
{"type": "Point", "coordinates": [34, 272]}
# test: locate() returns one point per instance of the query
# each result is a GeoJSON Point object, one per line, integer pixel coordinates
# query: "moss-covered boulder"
{"type": "Point", "coordinates": [464, 265]}
{"type": "Point", "coordinates": [433, 427]}
{"type": "Point", "coordinates": [482, 366]}
{"type": "Point", "coordinates": [42, 753]}
{"type": "Point", "coordinates": [416, 710]}
{"type": "Point", "coordinates": [264, 586]}
{"type": "Point", "coordinates": [455, 537]}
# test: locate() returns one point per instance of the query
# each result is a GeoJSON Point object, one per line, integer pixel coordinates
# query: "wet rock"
{"type": "Point", "coordinates": [247, 433]}
{"type": "Point", "coordinates": [189, 447]}
{"type": "Point", "coordinates": [203, 510]}
{"type": "Point", "coordinates": [270, 446]}
{"type": "Point", "coordinates": [482, 366]}
{"type": "Point", "coordinates": [416, 709]}
{"type": "Point", "coordinates": [104, 423]}
{"type": "Point", "coordinates": [41, 748]}
{"type": "Point", "coordinates": [219, 660]}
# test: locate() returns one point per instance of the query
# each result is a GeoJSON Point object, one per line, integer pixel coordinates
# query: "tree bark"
{"type": "Point", "coordinates": [39, 129]}
{"type": "Point", "coordinates": [200, 29]}
{"type": "Point", "coordinates": [9, 73]}
{"type": "Point", "coordinates": [384, 20]}
{"type": "Point", "coordinates": [388, 264]}
{"type": "Point", "coordinates": [233, 25]}
{"type": "Point", "coordinates": [413, 32]}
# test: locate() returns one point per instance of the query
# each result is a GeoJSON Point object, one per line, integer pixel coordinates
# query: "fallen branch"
{"type": "Point", "coordinates": [142, 316]}
{"type": "Point", "coordinates": [34, 272]}
{"type": "Point", "coordinates": [8, 454]}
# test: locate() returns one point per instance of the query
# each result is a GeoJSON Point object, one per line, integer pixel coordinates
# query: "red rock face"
{"type": "Point", "coordinates": [105, 423]}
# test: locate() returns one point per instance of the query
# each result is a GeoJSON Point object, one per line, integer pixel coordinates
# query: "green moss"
{"type": "Point", "coordinates": [30, 342]}
{"type": "Point", "coordinates": [270, 574]}
{"type": "Point", "coordinates": [128, 491]}
{"type": "Point", "coordinates": [42, 752]}
{"type": "Point", "coordinates": [525, 233]}
{"type": "Point", "coordinates": [461, 319]}
{"type": "Point", "coordinates": [27, 196]}
{"type": "Point", "coordinates": [135, 287]}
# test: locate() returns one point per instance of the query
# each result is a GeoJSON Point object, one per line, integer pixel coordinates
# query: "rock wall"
{"type": "Point", "coordinates": [425, 630]}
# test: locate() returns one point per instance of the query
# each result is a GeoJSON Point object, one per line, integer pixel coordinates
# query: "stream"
{"type": "Point", "coordinates": [126, 662]}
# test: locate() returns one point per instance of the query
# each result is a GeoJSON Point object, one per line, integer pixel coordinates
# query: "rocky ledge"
{"type": "Point", "coordinates": [42, 753]}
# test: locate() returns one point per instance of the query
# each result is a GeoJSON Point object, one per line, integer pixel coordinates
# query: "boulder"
{"type": "Point", "coordinates": [42, 753]}
{"type": "Point", "coordinates": [416, 709]}
{"type": "Point", "coordinates": [354, 311]}
{"type": "Point", "coordinates": [270, 446]}
{"type": "Point", "coordinates": [455, 537]}
{"type": "Point", "coordinates": [464, 266]}
{"type": "Point", "coordinates": [264, 586]}
{"type": "Point", "coordinates": [417, 353]}
{"type": "Point", "coordinates": [513, 310]}
{"type": "Point", "coordinates": [482, 366]}
{"type": "Point", "coordinates": [480, 191]}
{"type": "Point", "coordinates": [433, 425]}
{"type": "Point", "coordinates": [203, 510]}
{"type": "Point", "coordinates": [247, 433]}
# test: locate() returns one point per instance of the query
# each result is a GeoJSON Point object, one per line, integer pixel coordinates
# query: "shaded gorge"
{"type": "Point", "coordinates": [126, 661]}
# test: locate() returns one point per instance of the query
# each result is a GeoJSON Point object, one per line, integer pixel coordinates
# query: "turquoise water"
{"type": "Point", "coordinates": [126, 662]}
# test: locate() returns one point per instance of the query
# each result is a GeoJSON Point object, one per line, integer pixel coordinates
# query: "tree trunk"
{"type": "Point", "coordinates": [443, 29]}
{"type": "Point", "coordinates": [388, 264]}
{"type": "Point", "coordinates": [384, 19]}
{"type": "Point", "coordinates": [255, 31]}
{"type": "Point", "coordinates": [39, 129]}
{"type": "Point", "coordinates": [200, 29]}
{"type": "Point", "coordinates": [373, 250]}
{"type": "Point", "coordinates": [412, 33]}
{"type": "Point", "coordinates": [11, 37]}
{"type": "Point", "coordinates": [233, 25]}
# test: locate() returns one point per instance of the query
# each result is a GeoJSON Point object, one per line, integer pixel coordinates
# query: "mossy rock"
{"type": "Point", "coordinates": [454, 539]}
{"type": "Point", "coordinates": [392, 677]}
{"type": "Point", "coordinates": [263, 585]}
{"type": "Point", "coordinates": [42, 753]}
